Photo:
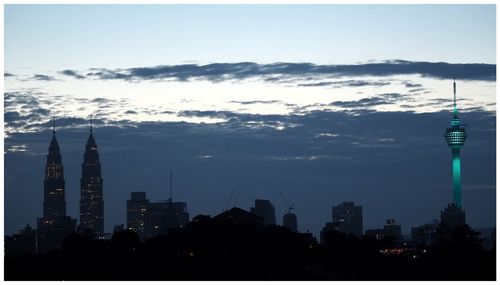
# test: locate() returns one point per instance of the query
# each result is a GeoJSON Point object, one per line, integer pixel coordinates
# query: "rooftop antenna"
{"type": "Point", "coordinates": [53, 125]}
{"type": "Point", "coordinates": [91, 124]}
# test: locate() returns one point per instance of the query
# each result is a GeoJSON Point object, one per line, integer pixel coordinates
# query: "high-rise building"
{"type": "Point", "coordinates": [349, 218]}
{"type": "Point", "coordinates": [455, 137]}
{"type": "Point", "coordinates": [138, 214]}
{"type": "Point", "coordinates": [164, 215]}
{"type": "Point", "coordinates": [391, 229]}
{"type": "Point", "coordinates": [264, 209]}
{"type": "Point", "coordinates": [290, 221]}
{"type": "Point", "coordinates": [91, 192]}
{"type": "Point", "coordinates": [54, 203]}
{"type": "Point", "coordinates": [54, 226]}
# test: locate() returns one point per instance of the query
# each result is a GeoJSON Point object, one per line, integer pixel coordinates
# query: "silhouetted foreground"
{"type": "Point", "coordinates": [210, 250]}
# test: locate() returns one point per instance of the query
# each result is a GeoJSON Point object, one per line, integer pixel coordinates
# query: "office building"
{"type": "Point", "coordinates": [138, 214]}
{"type": "Point", "coordinates": [349, 218]}
{"type": "Point", "coordinates": [264, 209]}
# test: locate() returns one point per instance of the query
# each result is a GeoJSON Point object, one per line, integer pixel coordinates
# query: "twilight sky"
{"type": "Point", "coordinates": [325, 103]}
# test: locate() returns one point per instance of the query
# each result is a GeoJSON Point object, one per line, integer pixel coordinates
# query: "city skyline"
{"type": "Point", "coordinates": [323, 120]}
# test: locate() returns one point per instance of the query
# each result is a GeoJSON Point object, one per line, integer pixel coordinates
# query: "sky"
{"type": "Point", "coordinates": [325, 103]}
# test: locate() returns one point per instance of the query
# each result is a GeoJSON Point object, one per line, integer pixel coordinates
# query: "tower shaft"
{"type": "Point", "coordinates": [457, 180]}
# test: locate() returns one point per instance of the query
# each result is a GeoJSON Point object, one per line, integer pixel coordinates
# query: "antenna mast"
{"type": "Point", "coordinates": [91, 124]}
{"type": "Point", "coordinates": [454, 96]}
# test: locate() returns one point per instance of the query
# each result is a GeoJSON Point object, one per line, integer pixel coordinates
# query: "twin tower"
{"type": "Point", "coordinates": [55, 222]}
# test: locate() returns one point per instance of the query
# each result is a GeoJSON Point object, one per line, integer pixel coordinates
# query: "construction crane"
{"type": "Point", "coordinates": [229, 200]}
{"type": "Point", "coordinates": [290, 206]}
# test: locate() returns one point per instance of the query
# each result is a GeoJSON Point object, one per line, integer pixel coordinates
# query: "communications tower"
{"type": "Point", "coordinates": [455, 137]}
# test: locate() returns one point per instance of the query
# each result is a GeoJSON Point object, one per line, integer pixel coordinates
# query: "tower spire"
{"type": "Point", "coordinates": [90, 124]}
{"type": "Point", "coordinates": [454, 97]}
{"type": "Point", "coordinates": [53, 125]}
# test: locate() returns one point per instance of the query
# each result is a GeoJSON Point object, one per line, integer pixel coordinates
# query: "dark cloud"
{"type": "Point", "coordinates": [345, 83]}
{"type": "Point", "coordinates": [6, 74]}
{"type": "Point", "coordinates": [72, 73]}
{"type": "Point", "coordinates": [382, 99]}
{"type": "Point", "coordinates": [42, 77]}
{"type": "Point", "coordinates": [412, 85]}
{"type": "Point", "coordinates": [100, 100]}
{"type": "Point", "coordinates": [257, 102]}
{"type": "Point", "coordinates": [276, 72]}
{"type": "Point", "coordinates": [416, 90]}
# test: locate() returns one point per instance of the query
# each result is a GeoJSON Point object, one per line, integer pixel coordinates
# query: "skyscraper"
{"type": "Point", "coordinates": [91, 193]}
{"type": "Point", "coordinates": [455, 137]}
{"type": "Point", "coordinates": [349, 218]}
{"type": "Point", "coordinates": [138, 214]}
{"type": "Point", "coordinates": [264, 209]}
{"type": "Point", "coordinates": [54, 204]}
{"type": "Point", "coordinates": [54, 226]}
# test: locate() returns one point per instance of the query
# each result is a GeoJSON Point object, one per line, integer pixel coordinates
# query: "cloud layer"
{"type": "Point", "coordinates": [279, 72]}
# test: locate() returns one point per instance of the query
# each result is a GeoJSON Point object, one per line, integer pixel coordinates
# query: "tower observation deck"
{"type": "Point", "coordinates": [455, 136]}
